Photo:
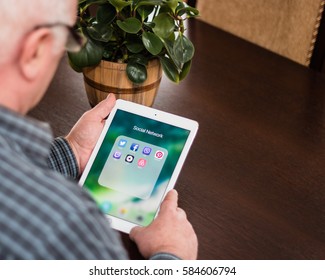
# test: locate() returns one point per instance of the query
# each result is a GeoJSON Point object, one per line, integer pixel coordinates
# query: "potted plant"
{"type": "Point", "coordinates": [139, 39]}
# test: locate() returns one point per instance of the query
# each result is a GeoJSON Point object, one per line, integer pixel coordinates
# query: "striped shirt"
{"type": "Point", "coordinates": [44, 215]}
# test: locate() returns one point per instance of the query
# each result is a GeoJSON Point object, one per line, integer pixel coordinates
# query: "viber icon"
{"type": "Point", "coordinates": [146, 151]}
{"type": "Point", "coordinates": [117, 155]}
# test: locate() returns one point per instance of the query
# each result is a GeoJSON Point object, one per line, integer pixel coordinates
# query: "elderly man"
{"type": "Point", "coordinates": [44, 214]}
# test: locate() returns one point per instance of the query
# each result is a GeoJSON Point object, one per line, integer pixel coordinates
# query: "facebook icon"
{"type": "Point", "coordinates": [134, 147]}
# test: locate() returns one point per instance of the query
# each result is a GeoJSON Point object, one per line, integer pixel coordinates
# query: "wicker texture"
{"type": "Point", "coordinates": [287, 27]}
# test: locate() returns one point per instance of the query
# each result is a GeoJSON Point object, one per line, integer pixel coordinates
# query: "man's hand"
{"type": "Point", "coordinates": [170, 232]}
{"type": "Point", "coordinates": [85, 133]}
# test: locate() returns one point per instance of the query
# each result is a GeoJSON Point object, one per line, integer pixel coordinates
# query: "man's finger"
{"type": "Point", "coordinates": [103, 108]}
{"type": "Point", "coordinates": [170, 201]}
{"type": "Point", "coordinates": [134, 231]}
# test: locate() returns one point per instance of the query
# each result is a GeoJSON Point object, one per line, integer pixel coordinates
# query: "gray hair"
{"type": "Point", "coordinates": [17, 17]}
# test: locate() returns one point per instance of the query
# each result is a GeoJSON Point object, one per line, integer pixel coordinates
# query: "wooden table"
{"type": "Point", "coordinates": [253, 185]}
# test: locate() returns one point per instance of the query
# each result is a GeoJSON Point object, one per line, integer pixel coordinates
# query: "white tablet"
{"type": "Point", "coordinates": [136, 161]}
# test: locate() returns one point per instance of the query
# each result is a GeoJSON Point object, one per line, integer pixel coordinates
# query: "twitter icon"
{"type": "Point", "coordinates": [122, 143]}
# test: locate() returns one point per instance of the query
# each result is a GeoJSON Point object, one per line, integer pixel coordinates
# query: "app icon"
{"type": "Point", "coordinates": [123, 211]}
{"type": "Point", "coordinates": [159, 154]}
{"type": "Point", "coordinates": [140, 218]}
{"type": "Point", "coordinates": [146, 151]}
{"type": "Point", "coordinates": [105, 206]}
{"type": "Point", "coordinates": [142, 162]}
{"type": "Point", "coordinates": [134, 147]}
{"type": "Point", "coordinates": [117, 155]}
{"type": "Point", "coordinates": [122, 143]}
{"type": "Point", "coordinates": [129, 158]}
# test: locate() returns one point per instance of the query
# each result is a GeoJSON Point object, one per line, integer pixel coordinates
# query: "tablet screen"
{"type": "Point", "coordinates": [134, 164]}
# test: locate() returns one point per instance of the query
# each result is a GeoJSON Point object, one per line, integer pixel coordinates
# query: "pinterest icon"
{"type": "Point", "coordinates": [159, 154]}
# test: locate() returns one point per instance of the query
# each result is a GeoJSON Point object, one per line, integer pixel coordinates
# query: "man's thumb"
{"type": "Point", "coordinates": [134, 232]}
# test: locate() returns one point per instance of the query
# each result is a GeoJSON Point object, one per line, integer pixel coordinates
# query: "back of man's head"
{"type": "Point", "coordinates": [18, 17]}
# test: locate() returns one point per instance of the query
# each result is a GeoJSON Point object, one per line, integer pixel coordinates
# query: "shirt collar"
{"type": "Point", "coordinates": [33, 137]}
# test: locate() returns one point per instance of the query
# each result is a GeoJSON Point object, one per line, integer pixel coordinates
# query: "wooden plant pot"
{"type": "Point", "coordinates": [110, 77]}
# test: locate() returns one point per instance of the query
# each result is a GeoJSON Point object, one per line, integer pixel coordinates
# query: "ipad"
{"type": "Point", "coordinates": [136, 161]}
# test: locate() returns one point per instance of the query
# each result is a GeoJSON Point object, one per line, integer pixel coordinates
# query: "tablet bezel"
{"type": "Point", "coordinates": [154, 114]}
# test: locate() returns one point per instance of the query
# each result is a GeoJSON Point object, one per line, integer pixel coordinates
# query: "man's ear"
{"type": "Point", "coordinates": [34, 52]}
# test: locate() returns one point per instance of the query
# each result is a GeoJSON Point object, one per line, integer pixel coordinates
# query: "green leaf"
{"type": "Point", "coordinates": [170, 69]}
{"type": "Point", "coordinates": [119, 4]}
{"type": "Point", "coordinates": [139, 59]}
{"type": "Point", "coordinates": [145, 11]}
{"type": "Point", "coordinates": [106, 14]}
{"type": "Point", "coordinates": [150, 25]}
{"type": "Point", "coordinates": [130, 25]}
{"type": "Point", "coordinates": [137, 73]}
{"type": "Point", "coordinates": [100, 32]}
{"type": "Point", "coordinates": [152, 43]}
{"type": "Point", "coordinates": [164, 9]}
{"type": "Point", "coordinates": [107, 54]}
{"type": "Point", "coordinates": [148, 3]}
{"type": "Point", "coordinates": [84, 5]}
{"type": "Point", "coordinates": [184, 8]}
{"type": "Point", "coordinates": [134, 44]}
{"type": "Point", "coordinates": [90, 55]}
{"type": "Point", "coordinates": [181, 5]}
{"type": "Point", "coordinates": [186, 69]}
{"type": "Point", "coordinates": [74, 67]}
{"type": "Point", "coordinates": [183, 49]}
{"type": "Point", "coordinates": [190, 11]}
{"type": "Point", "coordinates": [164, 25]}
{"type": "Point", "coordinates": [172, 4]}
{"type": "Point", "coordinates": [169, 45]}
{"type": "Point", "coordinates": [95, 1]}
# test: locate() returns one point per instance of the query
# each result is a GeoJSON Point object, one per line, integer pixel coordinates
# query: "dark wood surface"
{"type": "Point", "coordinates": [317, 61]}
{"type": "Point", "coordinates": [253, 184]}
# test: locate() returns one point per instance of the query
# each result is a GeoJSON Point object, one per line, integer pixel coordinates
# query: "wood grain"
{"type": "Point", "coordinates": [253, 184]}
{"type": "Point", "coordinates": [110, 77]}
